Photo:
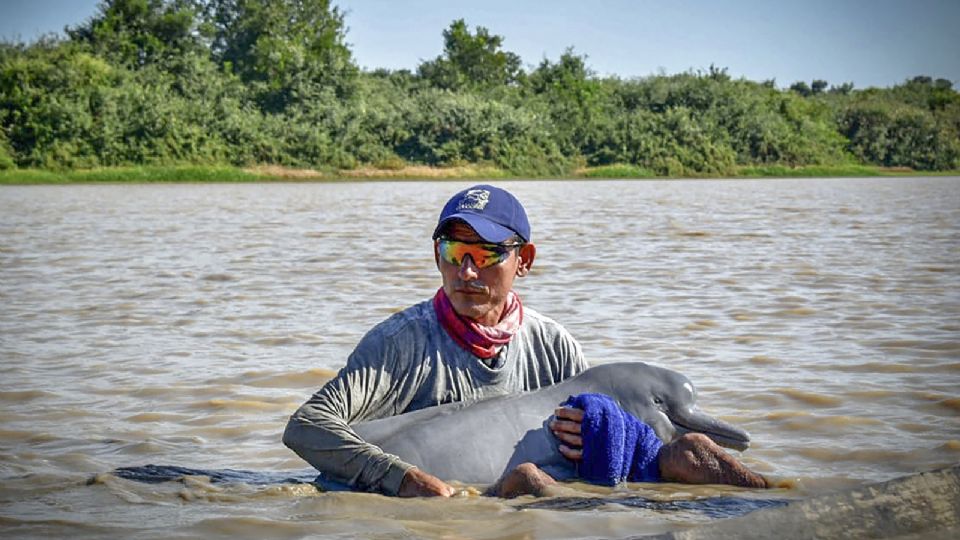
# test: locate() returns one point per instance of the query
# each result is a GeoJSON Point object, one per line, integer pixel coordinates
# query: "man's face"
{"type": "Point", "coordinates": [480, 293]}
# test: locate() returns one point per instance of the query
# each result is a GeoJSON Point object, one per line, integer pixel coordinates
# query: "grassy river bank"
{"type": "Point", "coordinates": [201, 174]}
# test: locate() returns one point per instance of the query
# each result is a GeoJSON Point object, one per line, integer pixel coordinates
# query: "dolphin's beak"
{"type": "Point", "coordinates": [721, 432]}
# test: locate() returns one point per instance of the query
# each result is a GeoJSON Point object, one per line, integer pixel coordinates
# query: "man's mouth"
{"type": "Point", "coordinates": [469, 291]}
{"type": "Point", "coordinates": [471, 288]}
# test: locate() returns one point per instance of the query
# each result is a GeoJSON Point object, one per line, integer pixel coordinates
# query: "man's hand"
{"type": "Point", "coordinates": [417, 483]}
{"type": "Point", "coordinates": [566, 427]}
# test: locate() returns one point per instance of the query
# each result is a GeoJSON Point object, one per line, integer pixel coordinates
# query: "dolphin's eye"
{"type": "Point", "coordinates": [658, 401]}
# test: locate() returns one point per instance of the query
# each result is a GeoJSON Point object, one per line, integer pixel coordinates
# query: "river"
{"type": "Point", "coordinates": [183, 324]}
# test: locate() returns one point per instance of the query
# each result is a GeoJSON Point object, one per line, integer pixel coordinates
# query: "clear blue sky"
{"type": "Point", "coordinates": [867, 42]}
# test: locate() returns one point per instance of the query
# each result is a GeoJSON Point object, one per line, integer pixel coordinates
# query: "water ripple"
{"type": "Point", "coordinates": [184, 323]}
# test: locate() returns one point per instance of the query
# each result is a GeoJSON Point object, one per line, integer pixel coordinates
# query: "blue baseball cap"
{"type": "Point", "coordinates": [493, 213]}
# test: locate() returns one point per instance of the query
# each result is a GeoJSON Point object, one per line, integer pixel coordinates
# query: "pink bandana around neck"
{"type": "Point", "coordinates": [481, 341]}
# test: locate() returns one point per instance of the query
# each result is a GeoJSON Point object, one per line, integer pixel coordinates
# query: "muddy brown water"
{"type": "Point", "coordinates": [182, 324]}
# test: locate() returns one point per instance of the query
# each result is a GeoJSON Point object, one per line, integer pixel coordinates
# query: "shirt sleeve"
{"type": "Point", "coordinates": [578, 363]}
{"type": "Point", "coordinates": [571, 357]}
{"type": "Point", "coordinates": [366, 388]}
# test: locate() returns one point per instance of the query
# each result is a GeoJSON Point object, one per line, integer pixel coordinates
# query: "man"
{"type": "Point", "coordinates": [473, 340]}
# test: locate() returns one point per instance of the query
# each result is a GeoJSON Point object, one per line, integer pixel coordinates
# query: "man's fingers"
{"type": "Point", "coordinates": [569, 413]}
{"type": "Point", "coordinates": [565, 425]}
{"type": "Point", "coordinates": [570, 453]}
{"type": "Point", "coordinates": [417, 483]}
{"type": "Point", "coordinates": [569, 438]}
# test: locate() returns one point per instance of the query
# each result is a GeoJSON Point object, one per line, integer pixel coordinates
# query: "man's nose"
{"type": "Point", "coordinates": [468, 269]}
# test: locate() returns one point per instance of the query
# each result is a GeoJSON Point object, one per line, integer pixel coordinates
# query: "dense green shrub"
{"type": "Point", "coordinates": [243, 82]}
{"type": "Point", "coordinates": [6, 157]}
{"type": "Point", "coordinates": [897, 134]}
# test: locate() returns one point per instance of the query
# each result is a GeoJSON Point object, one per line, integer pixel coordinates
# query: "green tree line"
{"type": "Point", "coordinates": [246, 82]}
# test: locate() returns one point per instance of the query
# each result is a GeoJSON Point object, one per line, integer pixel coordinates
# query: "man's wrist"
{"type": "Point", "coordinates": [419, 483]}
{"type": "Point", "coordinates": [393, 480]}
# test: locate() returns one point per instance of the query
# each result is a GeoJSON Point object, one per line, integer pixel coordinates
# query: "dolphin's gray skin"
{"type": "Point", "coordinates": [477, 443]}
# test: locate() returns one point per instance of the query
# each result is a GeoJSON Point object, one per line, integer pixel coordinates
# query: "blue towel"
{"type": "Point", "coordinates": [616, 445]}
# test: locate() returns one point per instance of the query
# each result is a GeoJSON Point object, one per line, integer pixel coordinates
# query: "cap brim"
{"type": "Point", "coordinates": [486, 229]}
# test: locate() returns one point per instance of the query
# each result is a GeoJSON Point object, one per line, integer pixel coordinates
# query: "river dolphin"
{"type": "Point", "coordinates": [478, 442]}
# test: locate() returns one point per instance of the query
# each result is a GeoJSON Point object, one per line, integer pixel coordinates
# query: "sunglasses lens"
{"type": "Point", "coordinates": [483, 255]}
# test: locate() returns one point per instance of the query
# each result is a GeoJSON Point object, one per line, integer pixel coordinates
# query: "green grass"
{"type": "Point", "coordinates": [826, 171]}
{"type": "Point", "coordinates": [811, 171]}
{"type": "Point", "coordinates": [218, 173]}
{"type": "Point", "coordinates": [181, 173]}
{"type": "Point", "coordinates": [424, 172]}
{"type": "Point", "coordinates": [617, 171]}
{"type": "Point", "coordinates": [764, 171]}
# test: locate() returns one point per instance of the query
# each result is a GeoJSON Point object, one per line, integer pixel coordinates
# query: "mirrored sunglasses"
{"type": "Point", "coordinates": [483, 254]}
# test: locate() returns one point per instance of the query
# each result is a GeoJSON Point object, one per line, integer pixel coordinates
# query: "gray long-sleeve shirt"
{"type": "Point", "coordinates": [406, 363]}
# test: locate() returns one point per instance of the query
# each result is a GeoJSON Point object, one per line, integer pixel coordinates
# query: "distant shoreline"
{"type": "Point", "coordinates": [268, 173]}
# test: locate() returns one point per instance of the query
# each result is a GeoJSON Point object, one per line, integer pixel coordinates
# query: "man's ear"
{"type": "Point", "coordinates": [436, 254]}
{"type": "Point", "coordinates": [527, 254]}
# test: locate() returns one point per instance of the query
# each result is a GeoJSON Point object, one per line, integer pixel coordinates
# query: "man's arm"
{"type": "Point", "coordinates": [324, 439]}
{"type": "Point", "coordinates": [372, 385]}
{"type": "Point", "coordinates": [368, 387]}
{"type": "Point", "coordinates": [566, 422]}
{"type": "Point", "coordinates": [320, 434]}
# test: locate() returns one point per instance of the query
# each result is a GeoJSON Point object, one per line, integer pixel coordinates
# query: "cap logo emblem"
{"type": "Point", "coordinates": [474, 199]}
